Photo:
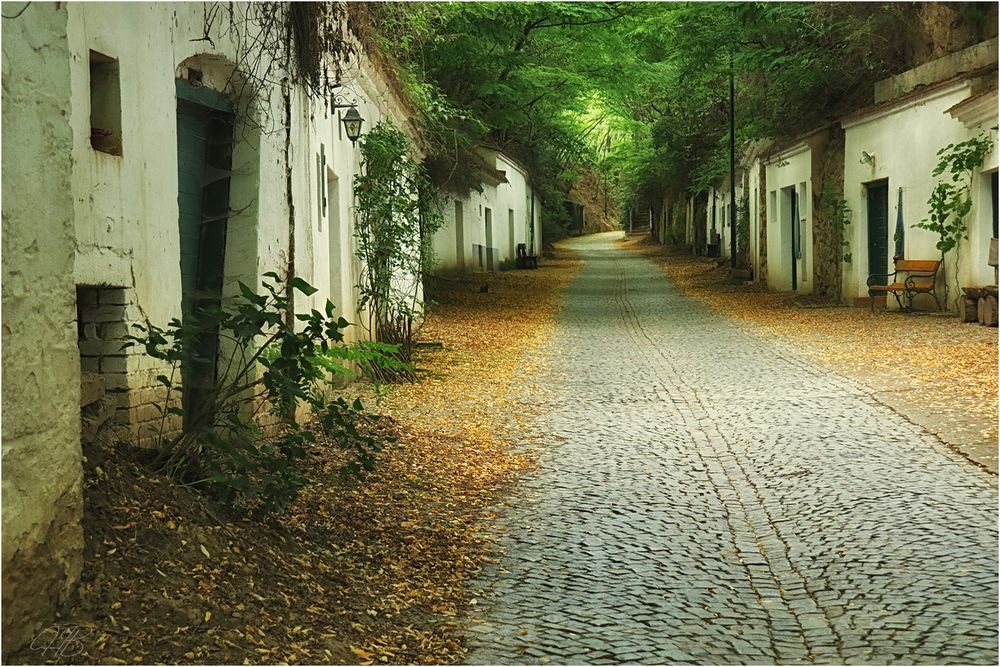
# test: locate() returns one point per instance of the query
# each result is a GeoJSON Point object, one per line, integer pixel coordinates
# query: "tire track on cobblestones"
{"type": "Point", "coordinates": [754, 524]}
{"type": "Point", "coordinates": [738, 521]}
{"type": "Point", "coordinates": [706, 497]}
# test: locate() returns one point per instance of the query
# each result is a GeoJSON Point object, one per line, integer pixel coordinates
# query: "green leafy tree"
{"type": "Point", "coordinates": [638, 91]}
{"type": "Point", "coordinates": [951, 199]}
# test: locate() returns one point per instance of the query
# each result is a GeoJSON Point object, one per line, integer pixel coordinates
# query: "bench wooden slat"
{"type": "Point", "coordinates": [921, 265]}
{"type": "Point", "coordinates": [921, 278]}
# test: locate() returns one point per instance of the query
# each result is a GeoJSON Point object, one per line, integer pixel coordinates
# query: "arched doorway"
{"type": "Point", "coordinates": [205, 122]}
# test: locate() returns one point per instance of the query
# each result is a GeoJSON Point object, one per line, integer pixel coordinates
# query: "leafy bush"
{"type": "Point", "coordinates": [266, 367]}
{"type": "Point", "coordinates": [397, 211]}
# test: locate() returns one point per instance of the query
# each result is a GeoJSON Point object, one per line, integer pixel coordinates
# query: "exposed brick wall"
{"type": "Point", "coordinates": [106, 316]}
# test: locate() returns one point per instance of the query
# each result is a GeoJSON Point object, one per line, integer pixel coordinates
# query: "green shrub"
{"type": "Point", "coordinates": [268, 367]}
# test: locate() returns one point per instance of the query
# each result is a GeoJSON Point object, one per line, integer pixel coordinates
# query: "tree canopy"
{"type": "Point", "coordinates": [638, 91]}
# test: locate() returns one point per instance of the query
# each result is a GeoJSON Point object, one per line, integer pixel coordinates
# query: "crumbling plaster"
{"type": "Point", "coordinates": [42, 503]}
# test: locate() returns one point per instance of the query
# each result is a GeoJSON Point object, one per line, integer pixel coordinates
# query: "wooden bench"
{"type": "Point", "coordinates": [911, 277]}
{"type": "Point", "coordinates": [524, 260]}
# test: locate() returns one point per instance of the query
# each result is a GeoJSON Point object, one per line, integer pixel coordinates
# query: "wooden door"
{"type": "Point", "coordinates": [878, 229]}
{"type": "Point", "coordinates": [204, 160]}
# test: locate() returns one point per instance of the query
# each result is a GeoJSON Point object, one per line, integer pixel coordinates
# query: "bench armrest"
{"type": "Point", "coordinates": [911, 283]}
{"type": "Point", "coordinates": [875, 278]}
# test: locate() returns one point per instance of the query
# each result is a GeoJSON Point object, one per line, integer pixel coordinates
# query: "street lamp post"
{"type": "Point", "coordinates": [732, 164]}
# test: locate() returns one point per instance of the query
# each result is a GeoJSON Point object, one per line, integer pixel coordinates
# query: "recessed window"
{"type": "Point", "coordinates": [105, 104]}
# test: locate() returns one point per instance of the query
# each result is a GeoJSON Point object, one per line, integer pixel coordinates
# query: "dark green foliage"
{"type": "Point", "coordinates": [951, 199]}
{"type": "Point", "coordinates": [267, 368]}
{"type": "Point", "coordinates": [796, 67]}
{"type": "Point", "coordinates": [524, 77]}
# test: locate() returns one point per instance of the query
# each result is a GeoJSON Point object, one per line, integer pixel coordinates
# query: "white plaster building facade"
{"type": "Point", "coordinates": [902, 138]}
{"type": "Point", "coordinates": [122, 125]}
{"type": "Point", "coordinates": [483, 228]}
{"type": "Point", "coordinates": [718, 221]}
{"type": "Point", "coordinates": [42, 472]}
{"type": "Point", "coordinates": [788, 210]}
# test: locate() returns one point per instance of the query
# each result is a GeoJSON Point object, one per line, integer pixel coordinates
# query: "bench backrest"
{"type": "Point", "coordinates": [920, 265]}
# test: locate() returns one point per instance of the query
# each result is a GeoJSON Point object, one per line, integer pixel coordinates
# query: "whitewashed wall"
{"type": "Point", "coordinates": [336, 269]}
{"type": "Point", "coordinates": [446, 241]}
{"type": "Point", "coordinates": [720, 202]}
{"type": "Point", "coordinates": [126, 206]}
{"type": "Point", "coordinates": [789, 169]}
{"type": "Point", "coordinates": [514, 208]}
{"type": "Point", "coordinates": [905, 139]}
{"type": "Point", "coordinates": [42, 475]}
{"type": "Point", "coordinates": [112, 220]}
{"type": "Point", "coordinates": [501, 199]}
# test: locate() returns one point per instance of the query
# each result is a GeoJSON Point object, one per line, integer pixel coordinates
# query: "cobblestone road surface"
{"type": "Point", "coordinates": [707, 497]}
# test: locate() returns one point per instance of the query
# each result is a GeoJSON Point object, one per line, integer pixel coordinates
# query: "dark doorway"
{"type": "Point", "coordinates": [204, 161]}
{"type": "Point", "coordinates": [489, 240]}
{"type": "Point", "coordinates": [878, 229]}
{"type": "Point", "coordinates": [993, 192]}
{"type": "Point", "coordinates": [796, 235]}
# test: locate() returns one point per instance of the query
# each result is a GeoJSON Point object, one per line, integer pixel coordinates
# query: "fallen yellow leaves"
{"type": "Point", "coordinates": [371, 571]}
{"type": "Point", "coordinates": [948, 369]}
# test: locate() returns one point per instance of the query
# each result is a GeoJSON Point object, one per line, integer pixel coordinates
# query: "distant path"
{"type": "Point", "coordinates": [705, 497]}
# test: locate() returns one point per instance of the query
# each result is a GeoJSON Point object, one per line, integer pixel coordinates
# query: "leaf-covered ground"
{"type": "Point", "coordinates": [934, 369]}
{"type": "Point", "coordinates": [356, 572]}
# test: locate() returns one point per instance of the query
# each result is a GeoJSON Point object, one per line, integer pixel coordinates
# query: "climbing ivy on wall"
{"type": "Point", "coordinates": [838, 212]}
{"type": "Point", "coordinates": [396, 213]}
{"type": "Point", "coordinates": [951, 199]}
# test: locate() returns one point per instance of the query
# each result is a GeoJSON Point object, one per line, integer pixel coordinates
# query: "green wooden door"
{"type": "Point", "coordinates": [204, 160]}
{"type": "Point", "coordinates": [878, 231]}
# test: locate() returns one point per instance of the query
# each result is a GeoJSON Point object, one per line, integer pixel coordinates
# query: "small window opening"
{"type": "Point", "coordinates": [105, 104]}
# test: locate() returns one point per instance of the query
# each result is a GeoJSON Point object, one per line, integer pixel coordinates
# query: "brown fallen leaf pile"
{"type": "Point", "coordinates": [948, 369]}
{"type": "Point", "coordinates": [371, 571]}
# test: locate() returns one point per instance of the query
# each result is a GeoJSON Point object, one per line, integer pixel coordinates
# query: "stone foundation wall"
{"type": "Point", "coordinates": [106, 316]}
{"type": "Point", "coordinates": [828, 186]}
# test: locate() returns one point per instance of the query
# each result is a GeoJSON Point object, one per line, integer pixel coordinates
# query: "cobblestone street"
{"type": "Point", "coordinates": [706, 496]}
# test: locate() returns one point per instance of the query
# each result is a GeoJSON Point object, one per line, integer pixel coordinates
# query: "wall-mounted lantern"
{"type": "Point", "coordinates": [352, 121]}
